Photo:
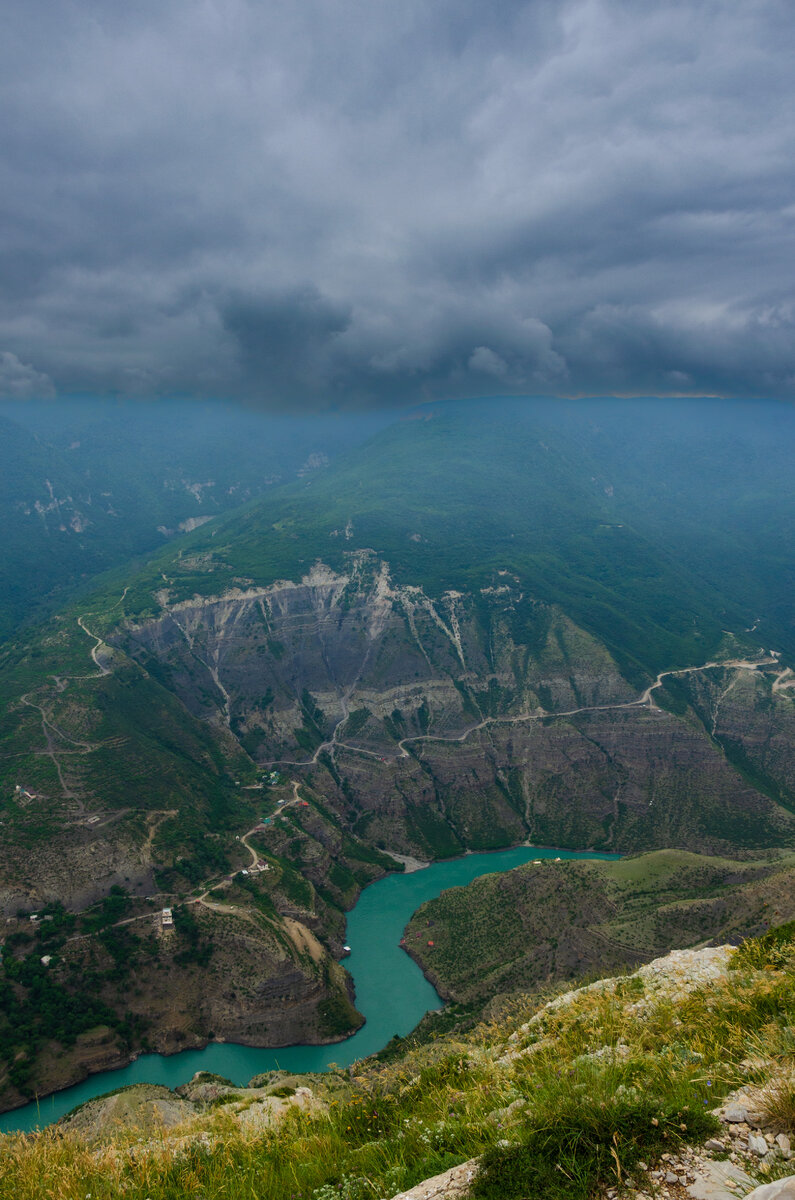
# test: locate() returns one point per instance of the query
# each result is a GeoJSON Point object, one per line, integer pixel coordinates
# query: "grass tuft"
{"type": "Point", "coordinates": [777, 1103]}
{"type": "Point", "coordinates": [583, 1145]}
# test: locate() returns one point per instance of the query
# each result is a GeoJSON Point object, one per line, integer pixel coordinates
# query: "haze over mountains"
{"type": "Point", "coordinates": [568, 622]}
{"type": "Point", "coordinates": [86, 485]}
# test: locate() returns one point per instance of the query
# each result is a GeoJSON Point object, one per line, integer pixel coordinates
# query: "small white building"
{"type": "Point", "coordinates": [167, 917]}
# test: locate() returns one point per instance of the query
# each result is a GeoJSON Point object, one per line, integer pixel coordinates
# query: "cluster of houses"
{"type": "Point", "coordinates": [259, 865]}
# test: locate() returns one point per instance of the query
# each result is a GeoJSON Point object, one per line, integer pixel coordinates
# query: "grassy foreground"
{"type": "Point", "coordinates": [562, 1100]}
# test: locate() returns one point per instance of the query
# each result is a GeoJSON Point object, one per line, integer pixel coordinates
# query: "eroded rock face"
{"type": "Point", "coordinates": [471, 721]}
{"type": "Point", "coordinates": [363, 648]}
{"type": "Point", "coordinates": [752, 716]}
{"type": "Point", "coordinates": [422, 725]}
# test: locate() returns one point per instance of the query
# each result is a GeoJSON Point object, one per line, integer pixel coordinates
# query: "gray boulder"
{"type": "Point", "coordinates": [781, 1189]}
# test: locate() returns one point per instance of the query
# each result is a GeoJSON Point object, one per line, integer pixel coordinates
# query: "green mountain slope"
{"type": "Point", "coordinates": [543, 922]}
{"type": "Point", "coordinates": [446, 639]}
{"type": "Point", "coordinates": [609, 1086]}
{"type": "Point", "coordinates": [652, 525]}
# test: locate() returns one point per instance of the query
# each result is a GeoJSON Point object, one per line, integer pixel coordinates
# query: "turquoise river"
{"type": "Point", "coordinates": [391, 992]}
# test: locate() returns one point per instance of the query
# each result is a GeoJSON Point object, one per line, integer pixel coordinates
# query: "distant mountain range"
{"type": "Point", "coordinates": [87, 486]}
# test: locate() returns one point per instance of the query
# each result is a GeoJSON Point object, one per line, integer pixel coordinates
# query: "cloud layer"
{"type": "Point", "coordinates": [342, 202]}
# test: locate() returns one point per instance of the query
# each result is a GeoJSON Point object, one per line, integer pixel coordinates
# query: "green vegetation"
{"type": "Point", "coordinates": [82, 986]}
{"type": "Point", "coordinates": [559, 1101]}
{"type": "Point", "coordinates": [590, 1140]}
{"type": "Point", "coordinates": [146, 751]}
{"type": "Point", "coordinates": [47, 1004]}
{"type": "Point", "coordinates": [150, 738]}
{"type": "Point", "coordinates": [356, 722]}
{"type": "Point", "coordinates": [536, 924]}
{"type": "Point", "coordinates": [85, 487]}
{"type": "Point", "coordinates": [197, 949]}
{"type": "Point", "coordinates": [613, 524]}
{"type": "Point", "coordinates": [337, 1015]}
{"type": "Point", "coordinates": [773, 949]}
{"type": "Point", "coordinates": [297, 889]}
{"type": "Point", "coordinates": [574, 548]}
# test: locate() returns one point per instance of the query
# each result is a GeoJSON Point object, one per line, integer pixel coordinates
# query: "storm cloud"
{"type": "Point", "coordinates": [357, 203]}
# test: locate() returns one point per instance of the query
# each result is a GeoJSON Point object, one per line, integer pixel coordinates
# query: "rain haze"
{"type": "Point", "coordinates": [351, 204]}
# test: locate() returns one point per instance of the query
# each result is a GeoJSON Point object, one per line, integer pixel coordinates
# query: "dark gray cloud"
{"type": "Point", "coordinates": [347, 202]}
{"type": "Point", "coordinates": [286, 338]}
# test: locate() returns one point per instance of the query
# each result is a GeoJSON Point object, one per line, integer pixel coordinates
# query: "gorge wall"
{"type": "Point", "coordinates": [471, 721]}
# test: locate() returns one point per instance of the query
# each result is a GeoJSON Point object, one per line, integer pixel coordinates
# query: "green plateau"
{"type": "Point", "coordinates": [515, 932]}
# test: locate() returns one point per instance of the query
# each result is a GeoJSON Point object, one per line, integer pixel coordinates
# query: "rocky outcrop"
{"type": "Point", "coordinates": [143, 1106]}
{"type": "Point", "coordinates": [449, 1185]}
{"type": "Point", "coordinates": [157, 1113]}
{"type": "Point", "coordinates": [781, 1189]}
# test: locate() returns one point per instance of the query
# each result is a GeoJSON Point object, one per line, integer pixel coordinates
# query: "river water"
{"type": "Point", "coordinates": [391, 992]}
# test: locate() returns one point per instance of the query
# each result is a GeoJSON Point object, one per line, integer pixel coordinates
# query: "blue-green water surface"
{"type": "Point", "coordinates": [391, 992]}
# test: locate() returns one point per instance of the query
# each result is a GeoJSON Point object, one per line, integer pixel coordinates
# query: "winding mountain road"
{"type": "Point", "coordinates": [785, 680]}
{"type": "Point", "coordinates": [51, 731]}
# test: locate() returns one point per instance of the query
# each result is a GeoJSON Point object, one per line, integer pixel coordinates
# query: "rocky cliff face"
{"type": "Point", "coordinates": [468, 721]}
{"type": "Point", "coordinates": [751, 716]}
{"type": "Point", "coordinates": [362, 648]}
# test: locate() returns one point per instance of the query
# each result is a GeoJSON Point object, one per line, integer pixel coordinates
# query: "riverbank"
{"type": "Point", "coordinates": [623, 1116]}
{"type": "Point", "coordinates": [390, 991]}
{"type": "Point", "coordinates": [551, 921]}
{"type": "Point", "coordinates": [409, 864]}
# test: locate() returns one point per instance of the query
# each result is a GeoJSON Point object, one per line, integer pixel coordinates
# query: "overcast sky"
{"type": "Point", "coordinates": [365, 202]}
